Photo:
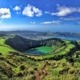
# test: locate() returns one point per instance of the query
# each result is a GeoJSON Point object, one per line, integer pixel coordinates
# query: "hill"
{"type": "Point", "coordinates": [61, 64]}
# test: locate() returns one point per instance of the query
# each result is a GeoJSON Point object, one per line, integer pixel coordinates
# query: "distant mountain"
{"type": "Point", "coordinates": [35, 33]}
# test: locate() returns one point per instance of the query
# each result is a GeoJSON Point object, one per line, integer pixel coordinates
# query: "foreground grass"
{"type": "Point", "coordinates": [22, 68]}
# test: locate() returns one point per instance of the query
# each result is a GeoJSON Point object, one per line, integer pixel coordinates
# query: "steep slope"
{"type": "Point", "coordinates": [22, 44]}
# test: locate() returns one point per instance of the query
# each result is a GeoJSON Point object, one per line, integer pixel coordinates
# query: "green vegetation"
{"type": "Point", "coordinates": [61, 63]}
{"type": "Point", "coordinates": [23, 68]}
{"type": "Point", "coordinates": [4, 49]}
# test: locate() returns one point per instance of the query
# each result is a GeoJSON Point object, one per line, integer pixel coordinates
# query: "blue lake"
{"type": "Point", "coordinates": [69, 38]}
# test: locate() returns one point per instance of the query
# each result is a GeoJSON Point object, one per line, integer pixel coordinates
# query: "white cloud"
{"type": "Point", "coordinates": [5, 13]}
{"type": "Point", "coordinates": [31, 11]}
{"type": "Point", "coordinates": [17, 8]}
{"type": "Point", "coordinates": [52, 22]}
{"type": "Point", "coordinates": [64, 11]}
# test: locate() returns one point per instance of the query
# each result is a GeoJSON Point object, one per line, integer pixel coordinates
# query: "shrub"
{"type": "Point", "coordinates": [22, 67]}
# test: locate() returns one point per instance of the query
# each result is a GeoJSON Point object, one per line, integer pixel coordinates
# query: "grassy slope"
{"type": "Point", "coordinates": [4, 49]}
{"type": "Point", "coordinates": [27, 69]}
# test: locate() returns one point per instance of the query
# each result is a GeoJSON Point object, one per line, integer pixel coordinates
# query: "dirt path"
{"type": "Point", "coordinates": [40, 74]}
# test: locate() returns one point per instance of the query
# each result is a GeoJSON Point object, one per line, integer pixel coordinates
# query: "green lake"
{"type": "Point", "coordinates": [40, 50]}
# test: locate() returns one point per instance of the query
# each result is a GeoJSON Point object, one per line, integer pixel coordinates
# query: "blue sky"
{"type": "Point", "coordinates": [40, 15]}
